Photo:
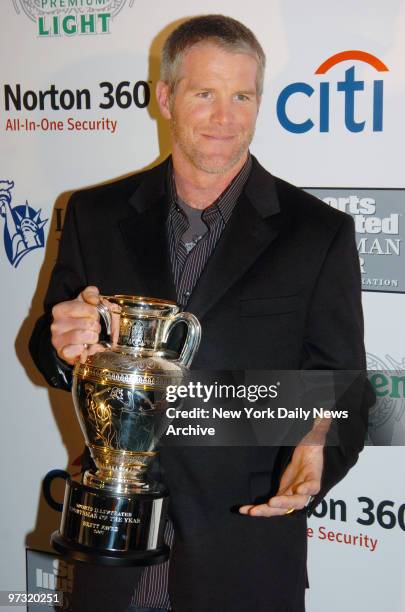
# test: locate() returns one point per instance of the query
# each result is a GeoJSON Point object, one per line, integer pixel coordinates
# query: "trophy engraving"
{"type": "Point", "coordinates": [116, 515]}
{"type": "Point", "coordinates": [136, 338]}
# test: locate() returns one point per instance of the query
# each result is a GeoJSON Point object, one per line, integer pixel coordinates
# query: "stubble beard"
{"type": "Point", "coordinates": [200, 160]}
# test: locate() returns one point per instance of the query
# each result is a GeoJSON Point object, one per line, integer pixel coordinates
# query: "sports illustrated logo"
{"type": "Point", "coordinates": [387, 417]}
{"type": "Point", "coordinates": [379, 226]}
{"type": "Point", "coordinates": [61, 578]}
{"type": "Point", "coordinates": [71, 17]}
{"type": "Point", "coordinates": [23, 226]}
{"type": "Point", "coordinates": [350, 89]}
{"type": "Point", "coordinates": [48, 574]}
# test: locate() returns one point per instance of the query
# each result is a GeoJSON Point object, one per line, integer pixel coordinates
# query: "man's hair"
{"type": "Point", "coordinates": [227, 33]}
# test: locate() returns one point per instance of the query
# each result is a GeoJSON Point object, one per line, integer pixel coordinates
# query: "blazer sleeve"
{"type": "Point", "coordinates": [334, 341]}
{"type": "Point", "coordinates": [68, 279]}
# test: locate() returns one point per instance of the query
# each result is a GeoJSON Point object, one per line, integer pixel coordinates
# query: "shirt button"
{"type": "Point", "coordinates": [187, 294]}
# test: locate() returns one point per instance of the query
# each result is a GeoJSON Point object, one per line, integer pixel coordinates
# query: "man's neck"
{"type": "Point", "coordinates": [197, 188]}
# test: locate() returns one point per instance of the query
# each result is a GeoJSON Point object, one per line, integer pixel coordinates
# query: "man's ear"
{"type": "Point", "coordinates": [163, 99]}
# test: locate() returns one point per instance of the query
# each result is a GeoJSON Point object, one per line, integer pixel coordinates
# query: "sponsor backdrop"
{"type": "Point", "coordinates": [77, 108]}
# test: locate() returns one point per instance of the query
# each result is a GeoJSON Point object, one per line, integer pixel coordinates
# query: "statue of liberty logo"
{"type": "Point", "coordinates": [23, 226]}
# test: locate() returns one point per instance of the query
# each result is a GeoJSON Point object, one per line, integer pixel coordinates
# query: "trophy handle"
{"type": "Point", "coordinates": [105, 314]}
{"type": "Point", "coordinates": [193, 338]}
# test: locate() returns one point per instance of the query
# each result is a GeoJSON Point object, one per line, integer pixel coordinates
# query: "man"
{"type": "Point", "coordinates": [259, 268]}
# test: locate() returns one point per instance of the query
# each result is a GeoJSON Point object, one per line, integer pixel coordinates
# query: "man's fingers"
{"type": "Point", "coordinates": [276, 506]}
{"type": "Point", "coordinates": [75, 309]}
{"type": "Point", "coordinates": [115, 327]}
{"type": "Point", "coordinates": [91, 350]}
{"type": "Point", "coordinates": [61, 326]}
{"type": "Point", "coordinates": [70, 346]}
{"type": "Point", "coordinates": [288, 501]}
{"type": "Point", "coordinates": [310, 487]}
{"type": "Point", "coordinates": [91, 295]}
{"type": "Point", "coordinates": [82, 306]}
{"type": "Point", "coordinates": [75, 325]}
{"type": "Point", "coordinates": [264, 510]}
{"type": "Point", "coordinates": [75, 336]}
{"type": "Point", "coordinates": [246, 509]}
{"type": "Point", "coordinates": [288, 477]}
{"type": "Point", "coordinates": [71, 353]}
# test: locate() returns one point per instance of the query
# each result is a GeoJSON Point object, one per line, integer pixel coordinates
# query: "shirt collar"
{"type": "Point", "coordinates": [225, 203]}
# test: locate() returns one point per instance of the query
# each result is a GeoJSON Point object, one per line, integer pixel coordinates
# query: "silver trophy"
{"type": "Point", "coordinates": [116, 515]}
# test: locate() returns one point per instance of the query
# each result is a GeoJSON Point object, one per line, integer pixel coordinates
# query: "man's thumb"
{"type": "Point", "coordinates": [91, 295]}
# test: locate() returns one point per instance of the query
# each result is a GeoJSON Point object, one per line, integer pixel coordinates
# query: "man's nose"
{"type": "Point", "coordinates": [221, 112]}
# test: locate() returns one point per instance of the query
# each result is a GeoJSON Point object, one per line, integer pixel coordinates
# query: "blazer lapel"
{"type": "Point", "coordinates": [254, 224]}
{"type": "Point", "coordinates": [145, 236]}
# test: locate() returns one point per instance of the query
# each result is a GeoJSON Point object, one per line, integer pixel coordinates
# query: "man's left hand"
{"type": "Point", "coordinates": [300, 480]}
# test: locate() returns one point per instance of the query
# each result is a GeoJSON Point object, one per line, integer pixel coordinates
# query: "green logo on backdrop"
{"type": "Point", "coordinates": [71, 17]}
{"type": "Point", "coordinates": [388, 384]}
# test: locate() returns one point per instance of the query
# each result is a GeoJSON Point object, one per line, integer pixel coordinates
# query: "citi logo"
{"type": "Point", "coordinates": [322, 97]}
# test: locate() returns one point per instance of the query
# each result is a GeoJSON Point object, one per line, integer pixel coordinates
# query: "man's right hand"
{"type": "Point", "coordinates": [76, 327]}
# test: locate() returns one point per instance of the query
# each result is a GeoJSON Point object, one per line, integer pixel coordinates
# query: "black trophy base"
{"type": "Point", "coordinates": [105, 528]}
{"type": "Point", "coordinates": [112, 558]}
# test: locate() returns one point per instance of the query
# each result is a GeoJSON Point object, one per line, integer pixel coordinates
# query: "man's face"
{"type": "Point", "coordinates": [214, 107]}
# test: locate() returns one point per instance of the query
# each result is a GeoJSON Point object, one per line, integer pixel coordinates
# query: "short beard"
{"type": "Point", "coordinates": [199, 161]}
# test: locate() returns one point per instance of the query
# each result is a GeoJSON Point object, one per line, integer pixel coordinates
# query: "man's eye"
{"type": "Point", "coordinates": [242, 97]}
{"type": "Point", "coordinates": [204, 94]}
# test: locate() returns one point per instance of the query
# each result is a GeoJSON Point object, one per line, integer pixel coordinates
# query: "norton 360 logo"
{"type": "Point", "coordinates": [324, 102]}
{"type": "Point", "coordinates": [71, 17]}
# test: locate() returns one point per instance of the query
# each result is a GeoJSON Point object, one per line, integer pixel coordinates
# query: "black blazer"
{"type": "Point", "coordinates": [281, 291]}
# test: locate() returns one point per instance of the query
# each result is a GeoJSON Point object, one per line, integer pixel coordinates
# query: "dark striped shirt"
{"type": "Point", "coordinates": [187, 266]}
